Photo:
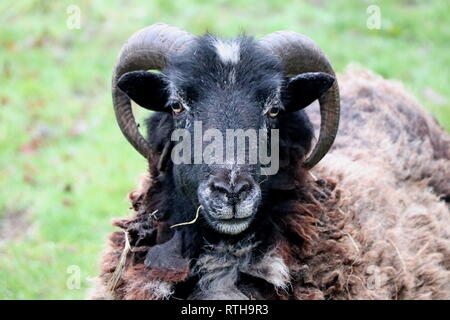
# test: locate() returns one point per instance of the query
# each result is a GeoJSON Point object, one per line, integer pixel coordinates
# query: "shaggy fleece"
{"type": "Point", "coordinates": [370, 221]}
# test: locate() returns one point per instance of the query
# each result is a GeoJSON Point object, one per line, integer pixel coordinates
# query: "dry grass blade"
{"type": "Point", "coordinates": [189, 222]}
{"type": "Point", "coordinates": [112, 284]}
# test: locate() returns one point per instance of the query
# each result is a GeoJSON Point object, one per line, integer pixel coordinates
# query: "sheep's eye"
{"type": "Point", "coordinates": [177, 107]}
{"type": "Point", "coordinates": [273, 111]}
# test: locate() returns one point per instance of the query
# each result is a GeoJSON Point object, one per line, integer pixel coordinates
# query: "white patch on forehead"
{"type": "Point", "coordinates": [228, 52]}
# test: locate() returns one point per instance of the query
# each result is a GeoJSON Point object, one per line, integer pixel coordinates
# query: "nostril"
{"type": "Point", "coordinates": [234, 193]}
{"type": "Point", "coordinates": [242, 188]}
{"type": "Point", "coordinates": [221, 187]}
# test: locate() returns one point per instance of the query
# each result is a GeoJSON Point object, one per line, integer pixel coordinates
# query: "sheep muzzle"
{"type": "Point", "coordinates": [229, 200]}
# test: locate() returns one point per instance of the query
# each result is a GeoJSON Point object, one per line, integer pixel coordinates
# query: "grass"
{"type": "Point", "coordinates": [65, 168]}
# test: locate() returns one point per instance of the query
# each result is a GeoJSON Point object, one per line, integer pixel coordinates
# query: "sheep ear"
{"type": "Point", "coordinates": [300, 91]}
{"type": "Point", "coordinates": [147, 89]}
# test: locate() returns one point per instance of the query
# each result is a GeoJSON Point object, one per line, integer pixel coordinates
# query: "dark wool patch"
{"type": "Point", "coordinates": [199, 71]}
{"type": "Point", "coordinates": [301, 234]}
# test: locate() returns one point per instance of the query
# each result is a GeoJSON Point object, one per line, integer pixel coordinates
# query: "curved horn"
{"type": "Point", "coordinates": [146, 49]}
{"type": "Point", "coordinates": [299, 55]}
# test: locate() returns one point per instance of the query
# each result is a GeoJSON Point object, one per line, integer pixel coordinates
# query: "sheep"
{"type": "Point", "coordinates": [369, 221]}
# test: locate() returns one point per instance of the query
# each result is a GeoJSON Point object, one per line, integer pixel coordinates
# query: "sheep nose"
{"type": "Point", "coordinates": [232, 192]}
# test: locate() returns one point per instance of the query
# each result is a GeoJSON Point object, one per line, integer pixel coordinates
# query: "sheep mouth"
{"type": "Point", "coordinates": [230, 226]}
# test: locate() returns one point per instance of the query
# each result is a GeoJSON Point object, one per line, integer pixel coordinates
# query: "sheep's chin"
{"type": "Point", "coordinates": [229, 226]}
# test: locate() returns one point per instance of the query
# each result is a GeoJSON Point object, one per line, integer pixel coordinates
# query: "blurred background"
{"type": "Point", "coordinates": [65, 168]}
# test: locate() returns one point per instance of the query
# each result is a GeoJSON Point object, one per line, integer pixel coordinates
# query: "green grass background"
{"type": "Point", "coordinates": [65, 169]}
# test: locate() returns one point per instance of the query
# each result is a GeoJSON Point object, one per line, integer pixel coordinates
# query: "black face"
{"type": "Point", "coordinates": [214, 88]}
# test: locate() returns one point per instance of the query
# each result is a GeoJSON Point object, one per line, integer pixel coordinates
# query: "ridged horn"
{"type": "Point", "coordinates": [147, 49]}
{"type": "Point", "coordinates": [300, 54]}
